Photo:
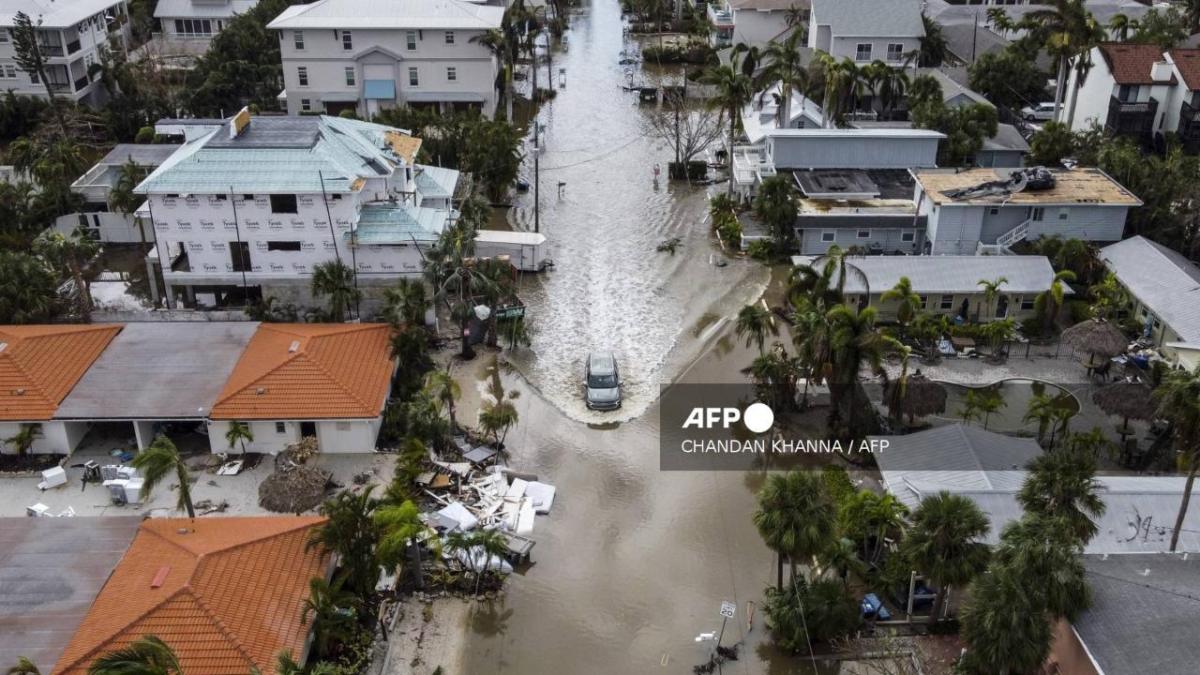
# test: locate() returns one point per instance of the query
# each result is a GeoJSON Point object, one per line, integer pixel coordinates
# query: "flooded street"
{"type": "Point", "coordinates": [632, 563]}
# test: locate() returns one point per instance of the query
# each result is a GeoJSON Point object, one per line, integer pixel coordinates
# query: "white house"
{"type": "Point", "coordinates": [97, 218]}
{"type": "Point", "coordinates": [188, 26]}
{"type": "Point", "coordinates": [754, 22]}
{"type": "Point", "coordinates": [987, 210]}
{"type": "Point", "coordinates": [70, 35]}
{"type": "Point", "coordinates": [247, 207]}
{"type": "Point", "coordinates": [348, 55]}
{"type": "Point", "coordinates": [866, 30]}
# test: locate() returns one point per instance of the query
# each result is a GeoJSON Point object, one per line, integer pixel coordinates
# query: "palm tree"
{"type": "Point", "coordinates": [886, 83]}
{"type": "Point", "coordinates": [933, 44]}
{"type": "Point", "coordinates": [399, 526]}
{"type": "Point", "coordinates": [1191, 14]}
{"type": "Point", "coordinates": [734, 90]}
{"type": "Point", "coordinates": [159, 461]}
{"type": "Point", "coordinates": [22, 441]}
{"type": "Point", "coordinates": [908, 301]}
{"type": "Point", "coordinates": [148, 655]}
{"type": "Point", "coordinates": [406, 303]}
{"type": "Point", "coordinates": [496, 418]}
{"type": "Point", "coordinates": [870, 519]}
{"type": "Point", "coordinates": [841, 555]}
{"type": "Point", "coordinates": [1061, 485]}
{"type": "Point", "coordinates": [795, 518]}
{"type": "Point", "coordinates": [71, 255]}
{"type": "Point", "coordinates": [1179, 401]}
{"type": "Point", "coordinates": [1042, 409]}
{"type": "Point", "coordinates": [498, 288]}
{"type": "Point", "coordinates": [495, 41]}
{"type": "Point", "coordinates": [1120, 25]}
{"type": "Point", "coordinates": [811, 339]}
{"type": "Point", "coordinates": [239, 432]}
{"type": "Point", "coordinates": [286, 665]}
{"type": "Point", "coordinates": [843, 83]}
{"type": "Point", "coordinates": [350, 532]}
{"type": "Point", "coordinates": [121, 198]}
{"type": "Point", "coordinates": [1003, 626]}
{"type": "Point", "coordinates": [23, 667]}
{"type": "Point", "coordinates": [336, 280]}
{"type": "Point", "coordinates": [445, 390]}
{"type": "Point", "coordinates": [991, 291]}
{"type": "Point", "coordinates": [783, 66]}
{"type": "Point", "coordinates": [332, 611]}
{"type": "Point", "coordinates": [854, 341]}
{"type": "Point", "coordinates": [944, 543]}
{"type": "Point", "coordinates": [1043, 547]}
{"type": "Point", "coordinates": [754, 323]}
{"type": "Point", "coordinates": [476, 550]}
{"type": "Point", "coordinates": [1068, 30]}
{"type": "Point", "coordinates": [987, 402]}
{"type": "Point", "coordinates": [1001, 22]}
{"type": "Point", "coordinates": [1051, 299]}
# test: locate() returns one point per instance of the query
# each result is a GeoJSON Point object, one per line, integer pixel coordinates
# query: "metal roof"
{"type": "Point", "coordinates": [384, 223]}
{"type": "Point", "coordinates": [384, 14]}
{"type": "Point", "coordinates": [436, 182]}
{"type": "Point", "coordinates": [159, 370]}
{"type": "Point", "coordinates": [52, 14]}
{"type": "Point", "coordinates": [1139, 605]}
{"type": "Point", "coordinates": [279, 154]}
{"type": "Point", "coordinates": [186, 9]}
{"type": "Point", "coordinates": [950, 273]}
{"type": "Point", "coordinates": [1163, 280]}
{"type": "Point", "coordinates": [51, 569]}
{"type": "Point", "coordinates": [1007, 138]}
{"type": "Point", "coordinates": [142, 154]}
{"type": "Point", "coordinates": [869, 18]}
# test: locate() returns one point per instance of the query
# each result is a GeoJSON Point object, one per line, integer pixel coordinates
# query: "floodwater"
{"type": "Point", "coordinates": [633, 562]}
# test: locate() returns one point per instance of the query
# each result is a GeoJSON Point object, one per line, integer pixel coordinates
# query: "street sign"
{"type": "Point", "coordinates": [728, 609]}
{"type": "Point", "coordinates": [514, 312]}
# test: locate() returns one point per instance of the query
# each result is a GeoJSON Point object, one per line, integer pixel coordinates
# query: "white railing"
{"type": "Point", "coordinates": [1014, 235]}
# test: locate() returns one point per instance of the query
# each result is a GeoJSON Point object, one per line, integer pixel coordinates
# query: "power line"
{"type": "Point", "coordinates": [597, 157]}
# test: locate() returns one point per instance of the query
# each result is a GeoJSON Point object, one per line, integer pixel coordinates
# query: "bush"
{"type": "Point", "coordinates": [1079, 310]}
{"type": "Point", "coordinates": [837, 484]}
{"type": "Point", "coordinates": [144, 135]}
{"type": "Point", "coordinates": [694, 170]}
{"type": "Point", "coordinates": [695, 54]}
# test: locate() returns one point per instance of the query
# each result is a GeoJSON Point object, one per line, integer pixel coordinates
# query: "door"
{"type": "Point", "coordinates": [1002, 307]}
{"type": "Point", "coordinates": [308, 429]}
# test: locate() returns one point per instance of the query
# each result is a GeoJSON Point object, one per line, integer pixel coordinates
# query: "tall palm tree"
{"type": "Point", "coordinates": [334, 279]}
{"type": "Point", "coordinates": [399, 526]}
{"type": "Point", "coordinates": [783, 66]}
{"type": "Point", "coordinates": [987, 402]}
{"type": "Point", "coordinates": [795, 518]}
{"type": "Point", "coordinates": [332, 611]}
{"type": "Point", "coordinates": [811, 338]}
{"type": "Point", "coordinates": [495, 41]}
{"type": "Point", "coordinates": [1179, 401]}
{"type": "Point", "coordinates": [944, 542]}
{"type": "Point", "coordinates": [159, 461]}
{"type": "Point", "coordinates": [1120, 26]}
{"type": "Point", "coordinates": [733, 90]}
{"type": "Point", "coordinates": [496, 418]}
{"type": "Point", "coordinates": [1042, 407]}
{"type": "Point", "coordinates": [754, 323]}
{"type": "Point", "coordinates": [1052, 298]}
{"type": "Point", "coordinates": [442, 386]}
{"type": "Point", "coordinates": [239, 433]}
{"type": "Point", "coordinates": [1004, 628]}
{"type": "Point", "coordinates": [908, 301]}
{"type": "Point", "coordinates": [1067, 30]}
{"type": "Point", "coordinates": [1062, 485]}
{"type": "Point", "coordinates": [148, 655]}
{"type": "Point", "coordinates": [933, 47]}
{"type": "Point", "coordinates": [71, 255]}
{"type": "Point", "coordinates": [350, 532]}
{"type": "Point", "coordinates": [854, 342]}
{"type": "Point", "coordinates": [1043, 547]}
{"type": "Point", "coordinates": [406, 303]}
{"type": "Point", "coordinates": [23, 666]}
{"type": "Point", "coordinates": [498, 288]}
{"type": "Point", "coordinates": [991, 291]}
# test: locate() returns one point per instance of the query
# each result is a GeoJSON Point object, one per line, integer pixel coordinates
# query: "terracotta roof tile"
{"type": "Point", "coordinates": [315, 371]}
{"type": "Point", "coordinates": [1187, 61]}
{"type": "Point", "coordinates": [39, 365]}
{"type": "Point", "coordinates": [1132, 63]}
{"type": "Point", "coordinates": [230, 598]}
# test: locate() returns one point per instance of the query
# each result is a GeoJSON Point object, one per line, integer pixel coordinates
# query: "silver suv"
{"type": "Point", "coordinates": [602, 382]}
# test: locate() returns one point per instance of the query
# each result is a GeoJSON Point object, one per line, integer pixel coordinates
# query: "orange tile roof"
{"type": "Point", "coordinates": [39, 365]}
{"type": "Point", "coordinates": [1133, 63]}
{"type": "Point", "coordinates": [229, 596]}
{"type": "Point", "coordinates": [1188, 63]}
{"type": "Point", "coordinates": [309, 371]}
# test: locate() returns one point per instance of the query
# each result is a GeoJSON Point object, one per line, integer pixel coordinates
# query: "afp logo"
{"type": "Point", "coordinates": [758, 417]}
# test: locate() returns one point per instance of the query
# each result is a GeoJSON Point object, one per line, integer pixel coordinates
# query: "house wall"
{"type": "Point", "coordinates": [1000, 159]}
{"type": "Point", "coordinates": [958, 228]}
{"type": "Point", "coordinates": [954, 230]}
{"type": "Point", "coordinates": [891, 239]}
{"type": "Point", "coordinates": [1068, 654]}
{"type": "Point", "coordinates": [757, 28]}
{"type": "Point", "coordinates": [847, 47]}
{"type": "Point", "coordinates": [384, 54]}
{"type": "Point", "coordinates": [333, 436]}
{"type": "Point", "coordinates": [1091, 104]}
{"type": "Point", "coordinates": [1089, 222]}
{"type": "Point", "coordinates": [56, 437]}
{"type": "Point", "coordinates": [348, 436]}
{"type": "Point", "coordinates": [92, 34]}
{"type": "Point", "coordinates": [934, 304]}
{"type": "Point", "coordinates": [109, 227]}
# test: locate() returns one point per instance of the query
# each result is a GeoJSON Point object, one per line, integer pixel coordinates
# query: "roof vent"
{"type": "Point", "coordinates": [18, 392]}
{"type": "Point", "coordinates": [3, 346]}
{"type": "Point", "coordinates": [160, 577]}
{"type": "Point", "coordinates": [294, 347]}
{"type": "Point", "coordinates": [260, 391]}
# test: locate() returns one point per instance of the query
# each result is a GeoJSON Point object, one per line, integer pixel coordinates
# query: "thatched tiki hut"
{"type": "Point", "coordinates": [914, 396]}
{"type": "Point", "coordinates": [1099, 338]}
{"type": "Point", "coordinates": [1127, 400]}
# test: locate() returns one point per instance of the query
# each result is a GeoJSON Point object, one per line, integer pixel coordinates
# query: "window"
{"type": "Point", "coordinates": [350, 76]}
{"type": "Point", "coordinates": [1063, 213]}
{"type": "Point", "coordinates": [280, 428]}
{"type": "Point", "coordinates": [3, 35]}
{"type": "Point", "coordinates": [863, 52]}
{"type": "Point", "coordinates": [250, 198]}
{"type": "Point", "coordinates": [1027, 302]}
{"type": "Point", "coordinates": [193, 27]}
{"type": "Point", "coordinates": [994, 211]}
{"type": "Point", "coordinates": [923, 300]}
{"type": "Point", "coordinates": [10, 71]}
{"type": "Point", "coordinates": [864, 234]}
{"type": "Point", "coordinates": [1037, 214]}
{"type": "Point", "coordinates": [239, 256]}
{"type": "Point", "coordinates": [1127, 93]}
{"type": "Point", "coordinates": [347, 40]}
{"type": "Point", "coordinates": [410, 40]}
{"type": "Point", "coordinates": [283, 204]}
{"type": "Point", "coordinates": [895, 51]}
{"type": "Point", "coordinates": [302, 75]}
{"type": "Point", "coordinates": [298, 39]}
{"type": "Point", "coordinates": [827, 235]}
{"type": "Point", "coordinates": [283, 246]}
{"type": "Point", "coordinates": [908, 237]}
{"type": "Point", "coordinates": [947, 302]}
{"type": "Point", "coordinates": [414, 80]}
{"type": "Point", "coordinates": [305, 105]}
{"type": "Point", "coordinates": [451, 74]}
{"type": "Point", "coordinates": [343, 426]}
{"type": "Point", "coordinates": [449, 37]}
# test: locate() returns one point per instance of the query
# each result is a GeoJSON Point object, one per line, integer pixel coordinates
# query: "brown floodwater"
{"type": "Point", "coordinates": [633, 562]}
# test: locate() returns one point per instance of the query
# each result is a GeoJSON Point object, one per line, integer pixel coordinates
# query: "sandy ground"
{"type": "Point", "coordinates": [423, 639]}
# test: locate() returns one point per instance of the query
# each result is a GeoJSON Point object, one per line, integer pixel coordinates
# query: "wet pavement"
{"type": "Point", "coordinates": [633, 562]}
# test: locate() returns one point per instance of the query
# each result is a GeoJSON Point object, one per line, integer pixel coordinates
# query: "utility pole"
{"type": "Point", "coordinates": [537, 177]}
{"type": "Point", "coordinates": [974, 37]}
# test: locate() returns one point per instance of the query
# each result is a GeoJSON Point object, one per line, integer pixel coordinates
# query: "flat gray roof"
{"type": "Point", "coordinates": [50, 572]}
{"type": "Point", "coordinates": [159, 370]}
{"type": "Point", "coordinates": [142, 154]}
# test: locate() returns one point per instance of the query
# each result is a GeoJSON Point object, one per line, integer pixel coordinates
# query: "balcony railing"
{"type": "Point", "coordinates": [51, 50]}
{"type": "Point", "coordinates": [82, 82]}
{"type": "Point", "coordinates": [73, 46]}
{"type": "Point", "coordinates": [1132, 118]}
{"type": "Point", "coordinates": [721, 18]}
{"type": "Point", "coordinates": [59, 87]}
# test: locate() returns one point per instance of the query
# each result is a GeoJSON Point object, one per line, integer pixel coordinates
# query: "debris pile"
{"type": "Point", "coordinates": [294, 487]}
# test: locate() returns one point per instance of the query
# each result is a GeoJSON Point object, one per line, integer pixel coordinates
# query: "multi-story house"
{"type": "Point", "coordinates": [986, 211]}
{"type": "Point", "coordinates": [188, 26]}
{"type": "Point", "coordinates": [248, 207]}
{"type": "Point", "coordinates": [1141, 91]}
{"type": "Point", "coordinates": [755, 22]}
{"type": "Point", "coordinates": [866, 30]}
{"type": "Point", "coordinates": [348, 55]}
{"type": "Point", "coordinates": [72, 35]}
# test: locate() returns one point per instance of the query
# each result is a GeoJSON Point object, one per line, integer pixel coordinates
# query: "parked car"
{"type": "Point", "coordinates": [1042, 112]}
{"type": "Point", "coordinates": [602, 382]}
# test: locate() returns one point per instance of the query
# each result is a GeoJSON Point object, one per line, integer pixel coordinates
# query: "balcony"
{"type": "Point", "coordinates": [720, 17]}
{"type": "Point", "coordinates": [82, 83]}
{"type": "Point", "coordinates": [60, 87]}
{"type": "Point", "coordinates": [50, 51]}
{"type": "Point", "coordinates": [1189, 127]}
{"type": "Point", "coordinates": [1132, 118]}
{"type": "Point", "coordinates": [73, 46]}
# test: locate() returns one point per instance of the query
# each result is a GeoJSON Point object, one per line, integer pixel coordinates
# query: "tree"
{"type": "Point", "coordinates": [444, 389]}
{"type": "Point", "coordinates": [991, 291]}
{"type": "Point", "coordinates": [334, 279]}
{"type": "Point", "coordinates": [733, 90]}
{"type": "Point", "coordinates": [1061, 485]}
{"type": "Point", "coordinates": [1178, 400]}
{"type": "Point", "coordinates": [1162, 27]}
{"type": "Point", "coordinates": [148, 655]}
{"type": "Point", "coordinates": [966, 127]}
{"type": "Point", "coordinates": [1081, 258]}
{"type": "Point", "coordinates": [242, 65]}
{"type": "Point", "coordinates": [1007, 78]}
{"type": "Point", "coordinates": [405, 303]}
{"type": "Point", "coordinates": [1051, 300]}
{"type": "Point", "coordinates": [795, 518]}
{"type": "Point", "coordinates": [1050, 144]}
{"type": "Point", "coordinates": [160, 460]}
{"type": "Point", "coordinates": [239, 432]}
{"type": "Point", "coordinates": [807, 612]}
{"type": "Point", "coordinates": [476, 550]}
{"type": "Point", "coordinates": [755, 323]}
{"type": "Point", "coordinates": [854, 342]}
{"type": "Point", "coordinates": [399, 526]}
{"type": "Point", "coordinates": [495, 41]}
{"type": "Point", "coordinates": [496, 418]}
{"type": "Point", "coordinates": [28, 293]}
{"type": "Point", "coordinates": [908, 302]}
{"type": "Point", "coordinates": [22, 441]}
{"type": "Point", "coordinates": [933, 47]}
{"type": "Point", "coordinates": [351, 533]}
{"type": "Point", "coordinates": [1004, 630]}
{"type": "Point", "coordinates": [71, 255]}
{"type": "Point", "coordinates": [23, 666]}
{"type": "Point", "coordinates": [687, 131]}
{"type": "Point", "coordinates": [1043, 548]}
{"type": "Point", "coordinates": [776, 208]}
{"type": "Point", "coordinates": [332, 611]}
{"type": "Point", "coordinates": [869, 519]}
{"type": "Point", "coordinates": [944, 543]}
{"type": "Point", "coordinates": [29, 58]}
{"type": "Point", "coordinates": [492, 153]}
{"type": "Point", "coordinates": [783, 66]}
{"type": "Point", "coordinates": [887, 85]}
{"type": "Point", "coordinates": [1067, 31]}
{"type": "Point", "coordinates": [498, 288]}
{"type": "Point", "coordinates": [1120, 25]}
